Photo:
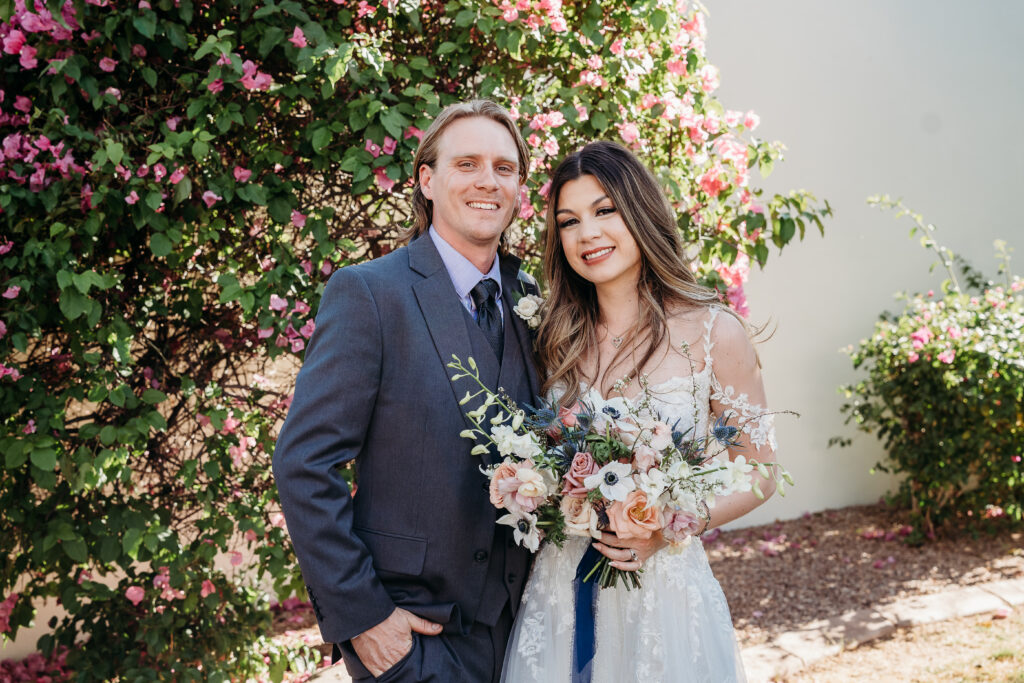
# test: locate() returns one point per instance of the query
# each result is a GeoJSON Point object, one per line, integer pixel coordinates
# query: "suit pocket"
{"type": "Point", "coordinates": [395, 553]}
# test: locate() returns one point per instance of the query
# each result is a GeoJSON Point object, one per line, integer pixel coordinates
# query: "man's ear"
{"type": "Point", "coordinates": [426, 174]}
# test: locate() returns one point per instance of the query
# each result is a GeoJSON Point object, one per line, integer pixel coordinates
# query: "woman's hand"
{"type": "Point", "coordinates": [629, 554]}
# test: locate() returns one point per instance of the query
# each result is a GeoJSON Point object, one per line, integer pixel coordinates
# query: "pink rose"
{"type": "Point", "coordinates": [679, 525]}
{"type": "Point", "coordinates": [580, 517]}
{"type": "Point", "coordinates": [644, 458]}
{"type": "Point", "coordinates": [135, 594]}
{"type": "Point", "coordinates": [632, 518]}
{"type": "Point", "coordinates": [582, 466]}
{"type": "Point", "coordinates": [503, 483]}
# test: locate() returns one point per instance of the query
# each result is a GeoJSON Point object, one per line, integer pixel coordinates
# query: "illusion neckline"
{"type": "Point", "coordinates": [650, 387]}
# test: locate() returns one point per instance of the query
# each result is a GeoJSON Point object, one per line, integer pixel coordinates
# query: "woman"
{"type": "Point", "coordinates": [626, 315]}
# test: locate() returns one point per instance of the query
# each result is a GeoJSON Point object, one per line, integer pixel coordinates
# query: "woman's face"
{"type": "Point", "coordinates": [595, 239]}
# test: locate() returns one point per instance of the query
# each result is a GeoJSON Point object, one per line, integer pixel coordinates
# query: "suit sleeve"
{"type": "Point", "coordinates": [326, 426]}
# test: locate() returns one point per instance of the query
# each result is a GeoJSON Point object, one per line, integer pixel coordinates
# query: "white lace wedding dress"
{"type": "Point", "coordinates": [677, 627]}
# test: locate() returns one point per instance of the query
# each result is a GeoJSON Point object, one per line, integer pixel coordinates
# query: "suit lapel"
{"type": "Point", "coordinates": [512, 288]}
{"type": "Point", "coordinates": [445, 319]}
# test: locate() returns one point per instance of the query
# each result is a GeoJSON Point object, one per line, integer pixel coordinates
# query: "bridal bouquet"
{"type": "Point", "coordinates": [603, 465]}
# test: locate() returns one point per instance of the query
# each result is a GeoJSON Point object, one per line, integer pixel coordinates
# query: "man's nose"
{"type": "Point", "coordinates": [487, 178]}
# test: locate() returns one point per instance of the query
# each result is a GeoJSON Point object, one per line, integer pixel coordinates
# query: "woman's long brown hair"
{"type": "Point", "coordinates": [569, 327]}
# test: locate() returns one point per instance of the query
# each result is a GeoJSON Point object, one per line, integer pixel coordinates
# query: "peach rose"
{"type": "Point", "coordinates": [582, 466]}
{"type": "Point", "coordinates": [631, 518]}
{"type": "Point", "coordinates": [567, 417]}
{"type": "Point", "coordinates": [504, 482]}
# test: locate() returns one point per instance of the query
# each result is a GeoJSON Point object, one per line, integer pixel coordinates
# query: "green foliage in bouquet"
{"type": "Point", "coordinates": [179, 181]}
{"type": "Point", "coordinates": [944, 390]}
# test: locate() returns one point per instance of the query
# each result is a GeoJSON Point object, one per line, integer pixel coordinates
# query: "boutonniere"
{"type": "Point", "coordinates": [527, 305]}
{"type": "Point", "coordinates": [528, 308]}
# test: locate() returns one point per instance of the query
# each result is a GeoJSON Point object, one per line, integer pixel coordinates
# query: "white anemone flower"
{"type": "Point", "coordinates": [524, 529]}
{"type": "Point", "coordinates": [613, 479]}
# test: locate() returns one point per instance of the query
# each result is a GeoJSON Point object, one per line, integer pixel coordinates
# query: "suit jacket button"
{"type": "Point", "coordinates": [512, 577]}
{"type": "Point", "coordinates": [480, 556]}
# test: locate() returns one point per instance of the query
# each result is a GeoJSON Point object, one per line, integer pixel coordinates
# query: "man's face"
{"type": "Point", "coordinates": [474, 184]}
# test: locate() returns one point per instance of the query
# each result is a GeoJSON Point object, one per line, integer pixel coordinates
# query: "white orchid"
{"type": "Point", "coordinates": [653, 483]}
{"type": "Point", "coordinates": [613, 480]}
{"type": "Point", "coordinates": [508, 442]}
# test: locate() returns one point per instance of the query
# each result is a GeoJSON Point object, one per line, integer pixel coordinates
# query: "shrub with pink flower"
{"type": "Point", "coordinates": [944, 386]}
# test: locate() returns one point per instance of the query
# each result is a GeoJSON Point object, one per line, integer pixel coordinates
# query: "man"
{"type": "Point", "coordinates": [411, 578]}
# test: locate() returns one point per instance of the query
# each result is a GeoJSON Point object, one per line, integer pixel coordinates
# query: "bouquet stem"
{"type": "Point", "coordinates": [608, 576]}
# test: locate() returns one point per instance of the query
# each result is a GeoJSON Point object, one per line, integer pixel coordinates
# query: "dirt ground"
{"type": "Point", "coordinates": [779, 576]}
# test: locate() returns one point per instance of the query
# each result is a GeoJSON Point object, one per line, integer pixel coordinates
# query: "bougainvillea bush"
{"type": "Point", "coordinates": [944, 390]}
{"type": "Point", "coordinates": [180, 179]}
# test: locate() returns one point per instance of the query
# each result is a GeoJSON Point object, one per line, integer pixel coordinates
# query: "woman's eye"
{"type": "Point", "coordinates": [567, 222]}
{"type": "Point", "coordinates": [605, 210]}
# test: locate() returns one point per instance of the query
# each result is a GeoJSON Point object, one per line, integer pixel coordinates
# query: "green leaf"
{"type": "Point", "coordinates": [76, 550]}
{"type": "Point", "coordinates": [599, 121]}
{"type": "Point", "coordinates": [160, 245]}
{"type": "Point", "coordinates": [272, 36]}
{"type": "Point", "coordinates": [44, 458]}
{"type": "Point", "coordinates": [145, 24]}
{"type": "Point", "coordinates": [131, 541]}
{"type": "Point", "coordinates": [149, 76]}
{"type": "Point", "coordinates": [321, 138]}
{"type": "Point", "coordinates": [446, 47]}
{"type": "Point", "coordinates": [658, 19]}
{"type": "Point", "coordinates": [280, 210]}
{"type": "Point", "coordinates": [153, 396]}
{"type": "Point", "coordinates": [73, 303]}
{"type": "Point", "coordinates": [183, 190]}
{"type": "Point", "coordinates": [394, 122]}
{"type": "Point", "coordinates": [115, 151]}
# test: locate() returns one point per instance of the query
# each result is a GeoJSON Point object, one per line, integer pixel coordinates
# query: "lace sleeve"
{"type": "Point", "coordinates": [753, 418]}
{"type": "Point", "coordinates": [728, 351]}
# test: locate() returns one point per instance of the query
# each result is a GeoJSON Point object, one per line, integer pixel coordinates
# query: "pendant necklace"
{"type": "Point", "coordinates": [616, 341]}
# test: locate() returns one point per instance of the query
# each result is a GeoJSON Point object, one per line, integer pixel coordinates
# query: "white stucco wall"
{"type": "Point", "coordinates": [920, 100]}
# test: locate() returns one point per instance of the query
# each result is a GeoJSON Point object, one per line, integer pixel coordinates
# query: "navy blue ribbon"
{"type": "Point", "coordinates": [585, 634]}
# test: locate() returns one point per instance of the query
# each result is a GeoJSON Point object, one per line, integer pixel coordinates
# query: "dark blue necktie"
{"type": "Point", "coordinates": [488, 317]}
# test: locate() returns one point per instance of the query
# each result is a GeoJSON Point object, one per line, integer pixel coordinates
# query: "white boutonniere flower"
{"type": "Point", "coordinates": [528, 308]}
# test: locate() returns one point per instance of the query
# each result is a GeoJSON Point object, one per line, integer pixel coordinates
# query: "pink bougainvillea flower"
{"type": "Point", "coordinates": [264, 332]}
{"type": "Point", "coordinates": [298, 38]}
{"type": "Point", "coordinates": [947, 356]}
{"type": "Point", "coordinates": [13, 42]}
{"type": "Point", "coordinates": [253, 79]}
{"type": "Point", "coordinates": [138, 50]}
{"type": "Point", "coordinates": [3, 329]}
{"type": "Point", "coordinates": [132, 197]}
{"type": "Point", "coordinates": [159, 172]}
{"type": "Point", "coordinates": [301, 307]}
{"type": "Point", "coordinates": [389, 146]}
{"type": "Point", "coordinates": [751, 121]}
{"type": "Point", "coordinates": [12, 292]}
{"type": "Point", "coordinates": [413, 132]}
{"type": "Point", "coordinates": [383, 181]}
{"type": "Point", "coordinates": [216, 85]}
{"type": "Point", "coordinates": [28, 57]}
{"type": "Point", "coordinates": [30, 427]}
{"type": "Point", "coordinates": [297, 345]}
{"type": "Point", "coordinates": [629, 132]}
{"type": "Point", "coordinates": [326, 268]}
{"type": "Point", "coordinates": [135, 594]}
{"type": "Point", "coordinates": [23, 104]}
{"type": "Point", "coordinates": [372, 147]}
{"type": "Point", "coordinates": [6, 247]}
{"type": "Point", "coordinates": [207, 588]}
{"type": "Point", "coordinates": [298, 219]}
{"type": "Point", "coordinates": [278, 303]}
{"type": "Point", "coordinates": [210, 198]}
{"type": "Point", "coordinates": [912, 357]}
{"type": "Point", "coordinates": [177, 176]}
{"type": "Point", "coordinates": [236, 558]}
{"type": "Point", "coordinates": [307, 329]}
{"type": "Point", "coordinates": [241, 174]}
{"type": "Point", "coordinates": [107, 64]}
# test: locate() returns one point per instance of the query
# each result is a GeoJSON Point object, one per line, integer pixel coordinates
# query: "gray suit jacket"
{"type": "Point", "coordinates": [420, 532]}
